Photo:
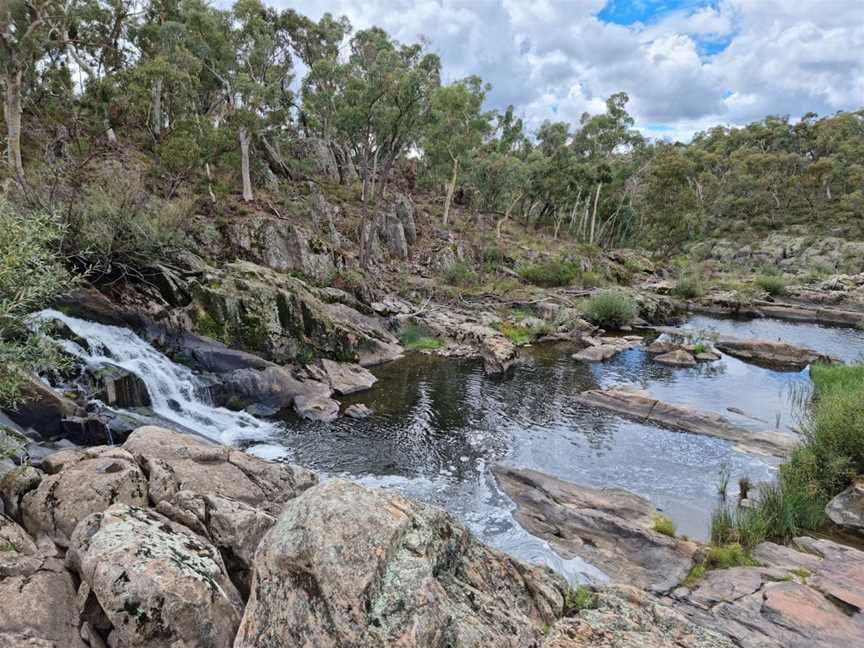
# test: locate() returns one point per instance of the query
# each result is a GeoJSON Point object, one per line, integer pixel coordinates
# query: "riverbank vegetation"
{"type": "Point", "coordinates": [829, 458]}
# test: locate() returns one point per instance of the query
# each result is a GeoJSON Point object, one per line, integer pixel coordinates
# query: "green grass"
{"type": "Point", "coordinates": [522, 335]}
{"type": "Point", "coordinates": [774, 285]}
{"type": "Point", "coordinates": [550, 273]}
{"type": "Point", "coordinates": [610, 309]}
{"type": "Point", "coordinates": [664, 524]}
{"type": "Point", "coordinates": [688, 287]}
{"type": "Point", "coordinates": [826, 462]}
{"type": "Point", "coordinates": [414, 338]}
{"type": "Point", "coordinates": [699, 347]}
{"type": "Point", "coordinates": [577, 599]}
{"type": "Point", "coordinates": [720, 557]}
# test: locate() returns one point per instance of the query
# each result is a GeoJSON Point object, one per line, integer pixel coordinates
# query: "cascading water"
{"type": "Point", "coordinates": [176, 393]}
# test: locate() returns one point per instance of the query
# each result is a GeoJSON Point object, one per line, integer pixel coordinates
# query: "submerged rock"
{"type": "Point", "coordinates": [609, 527]}
{"type": "Point", "coordinates": [156, 582]}
{"type": "Point", "coordinates": [349, 566]}
{"type": "Point", "coordinates": [358, 411]}
{"type": "Point", "coordinates": [680, 417]}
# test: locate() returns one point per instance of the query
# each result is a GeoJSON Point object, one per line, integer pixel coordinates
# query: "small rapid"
{"type": "Point", "coordinates": [177, 394]}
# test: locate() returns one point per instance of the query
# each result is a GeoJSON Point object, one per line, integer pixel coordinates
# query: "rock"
{"type": "Point", "coordinates": [119, 387]}
{"type": "Point", "coordinates": [358, 411]}
{"type": "Point", "coordinates": [810, 594]}
{"type": "Point", "coordinates": [87, 481]}
{"type": "Point", "coordinates": [680, 417]}
{"type": "Point", "coordinates": [847, 509]}
{"type": "Point", "coordinates": [87, 431]}
{"type": "Point", "coordinates": [499, 355]}
{"type": "Point", "coordinates": [626, 617]}
{"type": "Point", "coordinates": [317, 408]}
{"type": "Point", "coordinates": [344, 378]}
{"type": "Point", "coordinates": [405, 212]}
{"type": "Point", "coordinates": [678, 358]}
{"type": "Point", "coordinates": [611, 528]}
{"type": "Point", "coordinates": [662, 347]}
{"type": "Point", "coordinates": [779, 355]}
{"type": "Point", "coordinates": [38, 608]}
{"type": "Point", "coordinates": [43, 409]}
{"type": "Point", "coordinates": [157, 583]}
{"type": "Point", "coordinates": [272, 389]}
{"type": "Point", "coordinates": [280, 245]}
{"type": "Point", "coordinates": [14, 540]}
{"type": "Point", "coordinates": [707, 356]}
{"type": "Point", "coordinates": [14, 485]}
{"type": "Point", "coordinates": [318, 152]}
{"type": "Point", "coordinates": [175, 462]}
{"type": "Point", "coordinates": [349, 566]}
{"type": "Point", "coordinates": [283, 319]}
{"type": "Point", "coordinates": [606, 348]}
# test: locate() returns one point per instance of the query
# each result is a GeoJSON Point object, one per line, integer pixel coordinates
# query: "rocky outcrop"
{"type": "Point", "coordinates": [280, 245]}
{"type": "Point", "coordinates": [318, 154]}
{"type": "Point", "coordinates": [609, 527]}
{"type": "Point", "coordinates": [155, 582]}
{"type": "Point", "coordinates": [119, 387]}
{"type": "Point", "coordinates": [283, 319]}
{"type": "Point", "coordinates": [602, 349]}
{"type": "Point", "coordinates": [778, 355]}
{"type": "Point", "coordinates": [177, 462]}
{"type": "Point", "coordinates": [810, 594]}
{"type": "Point", "coordinates": [626, 617]}
{"type": "Point", "coordinates": [641, 406]}
{"type": "Point", "coordinates": [846, 510]}
{"type": "Point", "coordinates": [348, 566]}
{"type": "Point", "coordinates": [676, 358]}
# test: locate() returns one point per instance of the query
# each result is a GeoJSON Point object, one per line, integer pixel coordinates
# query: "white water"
{"type": "Point", "coordinates": [176, 393]}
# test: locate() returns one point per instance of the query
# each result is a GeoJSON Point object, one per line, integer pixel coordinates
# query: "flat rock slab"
{"type": "Point", "coordinates": [640, 406]}
{"type": "Point", "coordinates": [806, 595]}
{"type": "Point", "coordinates": [772, 354]}
{"type": "Point", "coordinates": [677, 358]}
{"type": "Point", "coordinates": [610, 528]}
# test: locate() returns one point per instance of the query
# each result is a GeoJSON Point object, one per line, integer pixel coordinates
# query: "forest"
{"type": "Point", "coordinates": [212, 104]}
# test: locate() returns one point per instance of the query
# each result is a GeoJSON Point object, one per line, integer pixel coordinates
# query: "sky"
{"type": "Point", "coordinates": [686, 64]}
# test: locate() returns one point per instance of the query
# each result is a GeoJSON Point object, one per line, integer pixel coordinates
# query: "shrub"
{"type": "Point", "coordinates": [117, 227]}
{"type": "Point", "coordinates": [722, 556]}
{"type": "Point", "coordinates": [460, 274]}
{"type": "Point", "coordinates": [577, 599]}
{"type": "Point", "coordinates": [688, 287]}
{"type": "Point", "coordinates": [550, 272]}
{"type": "Point", "coordinates": [522, 335]}
{"type": "Point", "coordinates": [31, 274]}
{"type": "Point", "coordinates": [414, 338]}
{"type": "Point", "coordinates": [610, 309]}
{"type": "Point", "coordinates": [774, 285]}
{"type": "Point", "coordinates": [664, 524]}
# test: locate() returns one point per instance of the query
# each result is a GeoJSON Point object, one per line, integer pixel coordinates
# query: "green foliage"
{"type": "Point", "coordinates": [521, 335]}
{"type": "Point", "coordinates": [774, 285]}
{"type": "Point", "coordinates": [664, 524]}
{"type": "Point", "coordinates": [31, 274]}
{"type": "Point", "coordinates": [550, 272]}
{"type": "Point", "coordinates": [610, 309]}
{"type": "Point", "coordinates": [722, 556]}
{"type": "Point", "coordinates": [118, 227]}
{"type": "Point", "coordinates": [461, 274]}
{"type": "Point", "coordinates": [700, 347]}
{"type": "Point", "coordinates": [828, 377]}
{"type": "Point", "coordinates": [577, 599]}
{"type": "Point", "coordinates": [688, 287]}
{"type": "Point", "coordinates": [414, 338]}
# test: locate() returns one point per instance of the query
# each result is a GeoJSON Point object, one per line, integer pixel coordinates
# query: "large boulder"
{"type": "Point", "coordinates": [344, 378]}
{"type": "Point", "coordinates": [847, 509]}
{"type": "Point", "coordinates": [119, 387]}
{"type": "Point", "coordinates": [83, 482]}
{"type": "Point", "coordinates": [157, 583]}
{"type": "Point", "coordinates": [349, 566]}
{"type": "Point", "coordinates": [43, 409]}
{"type": "Point", "coordinates": [177, 462]}
{"type": "Point", "coordinates": [270, 389]}
{"type": "Point", "coordinates": [609, 527]}
{"type": "Point", "coordinates": [318, 154]}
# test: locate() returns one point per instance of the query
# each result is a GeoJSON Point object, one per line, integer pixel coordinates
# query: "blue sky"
{"type": "Point", "coordinates": [686, 64]}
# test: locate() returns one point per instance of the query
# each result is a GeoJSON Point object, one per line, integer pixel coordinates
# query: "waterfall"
{"type": "Point", "coordinates": [177, 394]}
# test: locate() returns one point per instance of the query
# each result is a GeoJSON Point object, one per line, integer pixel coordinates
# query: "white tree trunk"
{"type": "Point", "coordinates": [594, 213]}
{"type": "Point", "coordinates": [156, 91]}
{"type": "Point", "coordinates": [12, 112]}
{"type": "Point", "coordinates": [450, 190]}
{"type": "Point", "coordinates": [244, 165]}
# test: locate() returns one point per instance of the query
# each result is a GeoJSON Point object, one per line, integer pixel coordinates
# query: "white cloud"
{"type": "Point", "coordinates": [554, 59]}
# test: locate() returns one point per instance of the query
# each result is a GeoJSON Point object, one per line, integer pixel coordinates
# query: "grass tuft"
{"type": "Point", "coordinates": [688, 287]}
{"type": "Point", "coordinates": [664, 524]}
{"type": "Point", "coordinates": [774, 285]}
{"type": "Point", "coordinates": [550, 273]}
{"type": "Point", "coordinates": [610, 309]}
{"type": "Point", "coordinates": [577, 599]}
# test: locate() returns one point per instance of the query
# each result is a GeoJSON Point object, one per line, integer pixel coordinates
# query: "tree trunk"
{"type": "Point", "coordinates": [12, 111]}
{"type": "Point", "coordinates": [109, 132]}
{"type": "Point", "coordinates": [374, 174]}
{"type": "Point", "coordinates": [156, 92]}
{"type": "Point", "coordinates": [594, 213]}
{"type": "Point", "coordinates": [244, 164]}
{"type": "Point", "coordinates": [450, 190]}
